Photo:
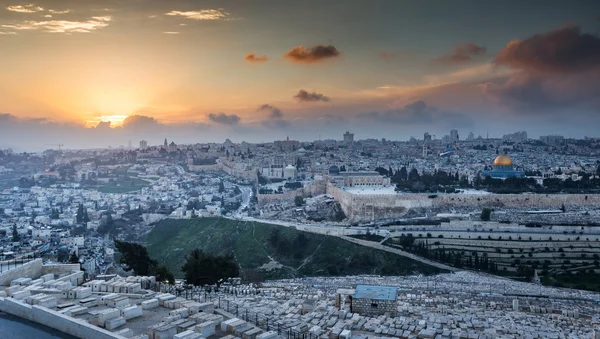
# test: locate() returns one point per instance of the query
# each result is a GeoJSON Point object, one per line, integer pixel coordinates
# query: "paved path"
{"type": "Point", "coordinates": [381, 247]}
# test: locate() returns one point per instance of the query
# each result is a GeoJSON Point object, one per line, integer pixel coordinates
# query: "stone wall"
{"type": "Point", "coordinates": [32, 269]}
{"type": "Point", "coordinates": [372, 207]}
{"type": "Point", "coordinates": [371, 307]}
{"type": "Point", "coordinates": [41, 315]}
{"type": "Point", "coordinates": [276, 198]}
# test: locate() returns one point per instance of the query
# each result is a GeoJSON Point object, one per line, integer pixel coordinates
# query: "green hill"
{"type": "Point", "coordinates": [273, 251]}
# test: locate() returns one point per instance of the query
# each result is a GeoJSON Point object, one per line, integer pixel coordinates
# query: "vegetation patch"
{"type": "Point", "coordinates": [255, 244]}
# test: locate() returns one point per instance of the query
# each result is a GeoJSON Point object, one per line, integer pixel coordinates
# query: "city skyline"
{"type": "Point", "coordinates": [200, 71]}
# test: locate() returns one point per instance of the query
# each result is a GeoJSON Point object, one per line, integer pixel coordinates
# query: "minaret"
{"type": "Point", "coordinates": [166, 144]}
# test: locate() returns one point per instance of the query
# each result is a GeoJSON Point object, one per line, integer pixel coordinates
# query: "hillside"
{"type": "Point", "coordinates": [273, 251]}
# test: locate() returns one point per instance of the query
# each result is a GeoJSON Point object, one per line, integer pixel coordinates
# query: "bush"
{"type": "Point", "coordinates": [486, 213]}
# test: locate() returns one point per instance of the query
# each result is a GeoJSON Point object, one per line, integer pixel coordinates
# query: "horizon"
{"type": "Point", "coordinates": [92, 74]}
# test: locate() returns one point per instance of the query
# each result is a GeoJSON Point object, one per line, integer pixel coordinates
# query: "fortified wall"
{"type": "Point", "coordinates": [361, 208]}
{"type": "Point", "coordinates": [371, 207]}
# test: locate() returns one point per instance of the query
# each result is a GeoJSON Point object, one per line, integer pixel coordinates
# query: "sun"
{"type": "Point", "coordinates": [115, 120]}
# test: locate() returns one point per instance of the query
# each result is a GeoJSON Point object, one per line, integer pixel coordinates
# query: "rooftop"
{"type": "Point", "coordinates": [375, 292]}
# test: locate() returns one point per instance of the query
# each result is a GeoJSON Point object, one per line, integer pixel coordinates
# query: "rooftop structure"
{"type": "Point", "coordinates": [503, 169]}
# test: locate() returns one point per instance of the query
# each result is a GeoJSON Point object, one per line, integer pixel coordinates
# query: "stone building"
{"type": "Point", "coordinates": [371, 300]}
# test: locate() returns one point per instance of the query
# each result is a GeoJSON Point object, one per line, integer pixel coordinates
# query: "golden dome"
{"type": "Point", "coordinates": [503, 160]}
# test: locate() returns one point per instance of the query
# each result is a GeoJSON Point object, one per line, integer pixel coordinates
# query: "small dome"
{"type": "Point", "coordinates": [503, 160]}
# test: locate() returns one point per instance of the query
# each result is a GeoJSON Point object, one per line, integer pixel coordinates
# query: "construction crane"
{"type": "Point", "coordinates": [59, 145]}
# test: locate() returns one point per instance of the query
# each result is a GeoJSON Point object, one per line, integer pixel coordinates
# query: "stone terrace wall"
{"type": "Point", "coordinates": [32, 269]}
{"type": "Point", "coordinates": [364, 307]}
{"type": "Point", "coordinates": [274, 198]}
{"type": "Point", "coordinates": [41, 315]}
{"type": "Point", "coordinates": [516, 200]}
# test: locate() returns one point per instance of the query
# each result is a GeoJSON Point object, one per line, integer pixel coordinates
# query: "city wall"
{"type": "Point", "coordinates": [41, 315]}
{"type": "Point", "coordinates": [371, 207]}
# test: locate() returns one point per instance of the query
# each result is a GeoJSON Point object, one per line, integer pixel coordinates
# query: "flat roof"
{"type": "Point", "coordinates": [375, 292]}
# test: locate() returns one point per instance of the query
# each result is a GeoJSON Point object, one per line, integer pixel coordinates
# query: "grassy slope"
{"type": "Point", "coordinates": [171, 240]}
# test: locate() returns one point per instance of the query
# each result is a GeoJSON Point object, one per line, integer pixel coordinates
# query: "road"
{"type": "Point", "coordinates": [246, 196]}
{"type": "Point", "coordinates": [381, 247]}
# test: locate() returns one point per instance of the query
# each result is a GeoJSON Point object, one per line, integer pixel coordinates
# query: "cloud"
{"type": "Point", "coordinates": [204, 14]}
{"type": "Point", "coordinates": [462, 53]}
{"type": "Point", "coordinates": [171, 33]}
{"type": "Point", "coordinates": [54, 11]}
{"type": "Point", "coordinates": [103, 125]}
{"type": "Point", "coordinates": [251, 57]}
{"type": "Point", "coordinates": [30, 8]}
{"type": "Point", "coordinates": [417, 113]}
{"type": "Point", "coordinates": [313, 54]}
{"type": "Point", "coordinates": [275, 119]}
{"type": "Point", "coordinates": [561, 50]}
{"type": "Point", "coordinates": [305, 96]}
{"type": "Point", "coordinates": [529, 92]}
{"type": "Point", "coordinates": [554, 71]}
{"type": "Point", "coordinates": [274, 112]}
{"type": "Point", "coordinates": [62, 26]}
{"type": "Point", "coordinates": [224, 119]}
{"type": "Point", "coordinates": [139, 122]}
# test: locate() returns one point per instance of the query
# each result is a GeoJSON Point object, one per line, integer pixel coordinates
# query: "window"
{"type": "Point", "coordinates": [373, 305]}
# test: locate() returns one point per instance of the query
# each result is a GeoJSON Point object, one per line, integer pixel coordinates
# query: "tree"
{"type": "Point", "coordinates": [74, 259]}
{"type": "Point", "coordinates": [205, 269]}
{"type": "Point", "coordinates": [15, 234]}
{"type": "Point", "coordinates": [79, 215]}
{"type": "Point", "coordinates": [136, 258]}
{"type": "Point", "coordinates": [221, 187]}
{"type": "Point", "coordinates": [298, 200]}
{"type": "Point", "coordinates": [486, 213]}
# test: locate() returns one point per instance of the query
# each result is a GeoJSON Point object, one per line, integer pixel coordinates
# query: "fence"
{"type": "Point", "coordinates": [13, 263]}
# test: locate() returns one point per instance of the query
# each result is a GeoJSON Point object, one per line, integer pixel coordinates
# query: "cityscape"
{"type": "Point", "coordinates": [167, 190]}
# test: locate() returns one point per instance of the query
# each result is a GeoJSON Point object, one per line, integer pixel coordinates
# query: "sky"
{"type": "Point", "coordinates": [94, 73]}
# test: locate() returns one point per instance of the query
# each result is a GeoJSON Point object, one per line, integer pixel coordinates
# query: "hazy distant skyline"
{"type": "Point", "coordinates": [198, 71]}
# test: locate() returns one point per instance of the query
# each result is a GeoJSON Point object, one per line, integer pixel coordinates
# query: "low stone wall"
{"type": "Point", "coordinates": [368, 307]}
{"type": "Point", "coordinates": [60, 269]}
{"type": "Point", "coordinates": [32, 269]}
{"type": "Point", "coordinates": [41, 315]}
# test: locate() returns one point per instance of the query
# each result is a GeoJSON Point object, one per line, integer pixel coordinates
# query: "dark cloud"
{"type": "Point", "coordinates": [139, 122]}
{"type": "Point", "coordinates": [253, 58]}
{"type": "Point", "coordinates": [462, 53]}
{"type": "Point", "coordinates": [417, 113]}
{"type": "Point", "coordinates": [274, 112]}
{"type": "Point", "coordinates": [224, 119]}
{"type": "Point", "coordinates": [6, 117]}
{"type": "Point", "coordinates": [545, 94]}
{"type": "Point", "coordinates": [305, 96]}
{"type": "Point", "coordinates": [559, 70]}
{"type": "Point", "coordinates": [311, 55]}
{"type": "Point", "coordinates": [275, 119]}
{"type": "Point", "coordinates": [562, 50]}
{"type": "Point", "coordinates": [103, 125]}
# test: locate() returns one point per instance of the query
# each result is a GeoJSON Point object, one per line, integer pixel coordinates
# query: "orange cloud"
{"type": "Point", "coordinates": [313, 54]}
{"type": "Point", "coordinates": [251, 57]}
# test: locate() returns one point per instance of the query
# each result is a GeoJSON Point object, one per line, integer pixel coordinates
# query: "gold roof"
{"type": "Point", "coordinates": [503, 160]}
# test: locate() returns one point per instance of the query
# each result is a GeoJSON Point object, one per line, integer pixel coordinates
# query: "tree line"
{"type": "Point", "coordinates": [200, 268]}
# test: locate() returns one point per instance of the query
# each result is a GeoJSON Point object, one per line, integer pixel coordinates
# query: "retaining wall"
{"type": "Point", "coordinates": [41, 315]}
{"type": "Point", "coordinates": [32, 269]}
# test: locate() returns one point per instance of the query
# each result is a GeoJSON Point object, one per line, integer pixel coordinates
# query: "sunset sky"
{"type": "Point", "coordinates": [258, 70]}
